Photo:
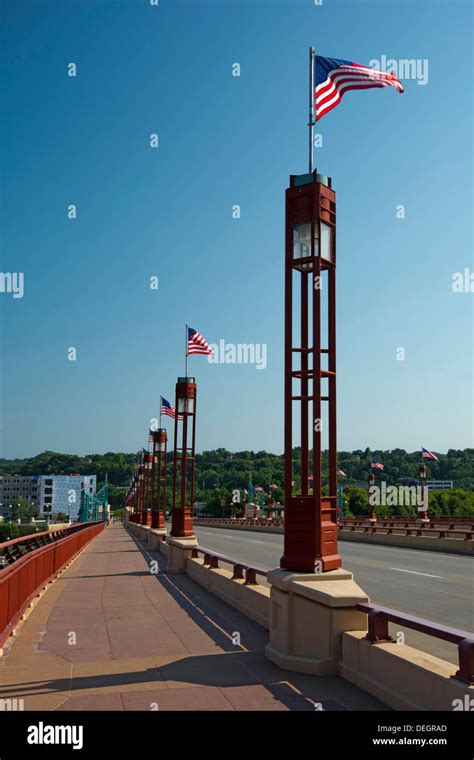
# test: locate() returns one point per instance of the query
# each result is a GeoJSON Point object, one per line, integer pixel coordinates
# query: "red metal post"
{"type": "Point", "coordinates": [160, 439]}
{"type": "Point", "coordinates": [310, 256]}
{"type": "Point", "coordinates": [141, 493]}
{"type": "Point", "coordinates": [370, 493]}
{"type": "Point", "coordinates": [184, 458]}
{"type": "Point", "coordinates": [423, 490]}
{"type": "Point", "coordinates": [149, 486]}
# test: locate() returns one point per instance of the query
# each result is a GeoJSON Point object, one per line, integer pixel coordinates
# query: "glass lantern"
{"type": "Point", "coordinates": [326, 242]}
{"type": "Point", "coordinates": [186, 395]}
{"type": "Point", "coordinates": [160, 440]}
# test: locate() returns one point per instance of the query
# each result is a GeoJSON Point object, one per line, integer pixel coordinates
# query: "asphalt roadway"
{"type": "Point", "coordinates": [431, 585]}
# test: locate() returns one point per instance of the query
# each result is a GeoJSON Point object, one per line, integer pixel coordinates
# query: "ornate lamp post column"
{"type": "Point", "coordinates": [148, 458]}
{"type": "Point", "coordinates": [310, 372]}
{"type": "Point", "coordinates": [160, 439]}
{"type": "Point", "coordinates": [423, 510]}
{"type": "Point", "coordinates": [182, 538]}
{"type": "Point", "coordinates": [184, 458]}
{"type": "Point", "coordinates": [158, 484]}
{"type": "Point", "coordinates": [135, 497]}
{"type": "Point", "coordinates": [312, 599]}
{"type": "Point", "coordinates": [371, 495]}
{"type": "Point", "coordinates": [141, 494]}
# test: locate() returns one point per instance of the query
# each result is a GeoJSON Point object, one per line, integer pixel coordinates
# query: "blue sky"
{"type": "Point", "coordinates": [227, 140]}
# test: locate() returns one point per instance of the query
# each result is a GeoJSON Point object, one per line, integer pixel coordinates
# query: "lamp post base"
{"type": "Point", "coordinates": [155, 537]}
{"type": "Point", "coordinates": [179, 551]}
{"type": "Point", "coordinates": [308, 613]}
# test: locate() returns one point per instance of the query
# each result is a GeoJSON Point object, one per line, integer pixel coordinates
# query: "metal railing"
{"type": "Point", "coordinates": [414, 529]}
{"type": "Point", "coordinates": [266, 521]}
{"type": "Point", "coordinates": [240, 571]}
{"type": "Point", "coordinates": [30, 562]}
{"type": "Point", "coordinates": [402, 528]}
{"type": "Point", "coordinates": [13, 550]}
{"type": "Point", "coordinates": [380, 617]}
{"type": "Point", "coordinates": [449, 523]}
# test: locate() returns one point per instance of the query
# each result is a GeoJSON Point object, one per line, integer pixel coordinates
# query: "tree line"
{"type": "Point", "coordinates": [219, 472]}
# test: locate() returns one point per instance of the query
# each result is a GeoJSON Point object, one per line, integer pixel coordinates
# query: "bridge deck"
{"type": "Point", "coordinates": [146, 641]}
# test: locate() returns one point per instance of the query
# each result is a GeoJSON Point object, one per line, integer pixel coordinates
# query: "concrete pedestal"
{"type": "Point", "coordinates": [308, 614]}
{"type": "Point", "coordinates": [179, 551]}
{"type": "Point", "coordinates": [251, 511]}
{"type": "Point", "coordinates": [155, 537]}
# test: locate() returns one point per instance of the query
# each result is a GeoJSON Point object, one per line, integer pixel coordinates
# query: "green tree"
{"type": "Point", "coordinates": [9, 531]}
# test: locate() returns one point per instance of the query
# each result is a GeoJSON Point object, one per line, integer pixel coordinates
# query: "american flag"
{"type": "Point", "coordinates": [425, 454]}
{"type": "Point", "coordinates": [167, 408]}
{"type": "Point", "coordinates": [151, 436]}
{"type": "Point", "coordinates": [341, 473]}
{"type": "Point", "coordinates": [196, 343]}
{"type": "Point", "coordinates": [334, 76]}
{"type": "Point", "coordinates": [376, 466]}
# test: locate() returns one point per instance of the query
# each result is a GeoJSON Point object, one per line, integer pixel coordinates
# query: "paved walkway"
{"type": "Point", "coordinates": [109, 635]}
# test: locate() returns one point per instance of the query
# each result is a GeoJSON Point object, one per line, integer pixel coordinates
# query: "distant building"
{"type": "Point", "coordinates": [440, 485]}
{"type": "Point", "coordinates": [47, 494]}
{"type": "Point", "coordinates": [62, 493]}
{"type": "Point", "coordinates": [15, 487]}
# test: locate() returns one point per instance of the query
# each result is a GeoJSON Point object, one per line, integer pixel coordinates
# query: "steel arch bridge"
{"type": "Point", "coordinates": [94, 506]}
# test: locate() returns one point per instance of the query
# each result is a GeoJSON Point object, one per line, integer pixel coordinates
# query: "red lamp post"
{"type": "Point", "coordinates": [141, 494]}
{"type": "Point", "coordinates": [158, 479]}
{"type": "Point", "coordinates": [148, 460]}
{"type": "Point", "coordinates": [424, 494]}
{"type": "Point", "coordinates": [135, 498]}
{"type": "Point", "coordinates": [370, 492]}
{"type": "Point", "coordinates": [310, 372]}
{"type": "Point", "coordinates": [184, 459]}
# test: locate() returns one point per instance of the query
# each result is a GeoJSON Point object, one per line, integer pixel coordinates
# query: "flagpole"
{"type": "Point", "coordinates": [186, 346]}
{"type": "Point", "coordinates": [311, 107]}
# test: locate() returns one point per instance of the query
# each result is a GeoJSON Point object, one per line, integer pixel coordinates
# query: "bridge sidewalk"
{"type": "Point", "coordinates": [110, 635]}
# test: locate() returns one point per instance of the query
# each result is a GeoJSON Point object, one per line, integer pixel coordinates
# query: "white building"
{"type": "Point", "coordinates": [439, 485]}
{"type": "Point", "coordinates": [62, 493]}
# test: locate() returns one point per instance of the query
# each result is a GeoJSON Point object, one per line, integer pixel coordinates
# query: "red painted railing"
{"type": "Point", "coordinates": [240, 570]}
{"type": "Point", "coordinates": [415, 529]}
{"type": "Point", "coordinates": [436, 529]}
{"type": "Point", "coordinates": [30, 562]}
{"type": "Point", "coordinates": [275, 522]}
{"type": "Point", "coordinates": [380, 617]}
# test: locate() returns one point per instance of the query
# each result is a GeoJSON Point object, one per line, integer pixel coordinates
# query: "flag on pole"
{"type": "Point", "coordinates": [376, 466]}
{"type": "Point", "coordinates": [196, 343]}
{"type": "Point", "coordinates": [341, 473]}
{"type": "Point", "coordinates": [167, 408]}
{"type": "Point", "coordinates": [151, 436]}
{"type": "Point", "coordinates": [334, 76]}
{"type": "Point", "coordinates": [425, 454]}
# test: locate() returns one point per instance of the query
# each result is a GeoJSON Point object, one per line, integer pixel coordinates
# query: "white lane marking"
{"type": "Point", "coordinates": [414, 572]}
{"type": "Point", "coordinates": [253, 541]}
